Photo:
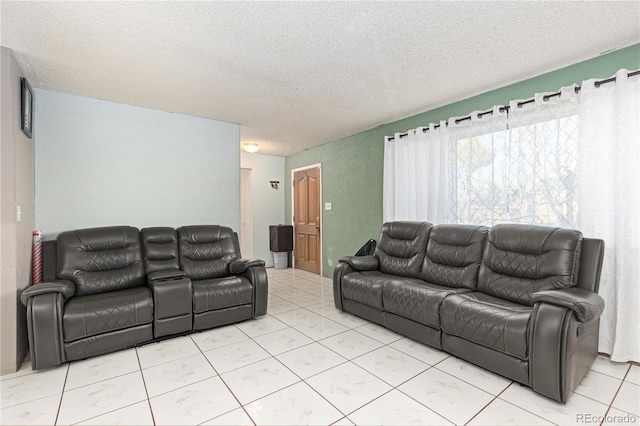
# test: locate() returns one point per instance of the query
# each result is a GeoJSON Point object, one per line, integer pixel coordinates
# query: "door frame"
{"type": "Point", "coordinates": [319, 167]}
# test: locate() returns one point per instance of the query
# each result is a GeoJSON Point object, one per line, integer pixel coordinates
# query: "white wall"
{"type": "Point", "coordinates": [267, 204]}
{"type": "Point", "coordinates": [17, 187]}
{"type": "Point", "coordinates": [101, 163]}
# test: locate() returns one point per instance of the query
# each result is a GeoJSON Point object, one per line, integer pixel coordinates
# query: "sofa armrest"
{"type": "Point", "coordinates": [240, 266]}
{"type": "Point", "coordinates": [255, 272]}
{"type": "Point", "coordinates": [588, 306]}
{"type": "Point", "coordinates": [165, 275]}
{"type": "Point", "coordinates": [591, 258]}
{"type": "Point", "coordinates": [361, 263]}
{"type": "Point", "coordinates": [341, 269]}
{"type": "Point", "coordinates": [66, 288]}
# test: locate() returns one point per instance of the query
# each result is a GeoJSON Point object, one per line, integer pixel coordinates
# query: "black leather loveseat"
{"type": "Point", "coordinates": [109, 288]}
{"type": "Point", "coordinates": [519, 300]}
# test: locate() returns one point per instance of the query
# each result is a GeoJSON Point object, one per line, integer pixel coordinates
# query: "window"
{"type": "Point", "coordinates": [524, 171]}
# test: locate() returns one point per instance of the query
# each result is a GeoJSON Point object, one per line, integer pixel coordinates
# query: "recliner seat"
{"type": "Point", "coordinates": [222, 291]}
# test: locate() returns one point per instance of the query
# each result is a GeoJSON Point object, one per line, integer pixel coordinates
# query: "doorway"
{"type": "Point", "coordinates": [246, 225]}
{"type": "Point", "coordinates": [307, 252]}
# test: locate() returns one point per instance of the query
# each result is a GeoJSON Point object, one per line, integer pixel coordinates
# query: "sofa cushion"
{"type": "Point", "coordinates": [520, 260]}
{"type": "Point", "coordinates": [488, 321]}
{"type": "Point", "coordinates": [401, 248]}
{"type": "Point", "coordinates": [220, 293]}
{"type": "Point", "coordinates": [98, 260]}
{"type": "Point", "coordinates": [416, 300]}
{"type": "Point", "coordinates": [454, 254]}
{"type": "Point", "coordinates": [205, 251]}
{"type": "Point", "coordinates": [87, 316]}
{"type": "Point", "coordinates": [365, 287]}
{"type": "Point", "coordinates": [159, 249]}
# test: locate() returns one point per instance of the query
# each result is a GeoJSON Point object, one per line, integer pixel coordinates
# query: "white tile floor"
{"type": "Point", "coordinates": [304, 363]}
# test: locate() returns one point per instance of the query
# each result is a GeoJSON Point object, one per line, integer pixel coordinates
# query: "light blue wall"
{"type": "Point", "coordinates": [102, 163]}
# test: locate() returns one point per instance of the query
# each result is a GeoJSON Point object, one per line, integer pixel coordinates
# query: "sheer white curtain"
{"type": "Point", "coordinates": [542, 156]}
{"type": "Point", "coordinates": [609, 204]}
{"type": "Point", "coordinates": [415, 175]}
{"type": "Point", "coordinates": [477, 156]}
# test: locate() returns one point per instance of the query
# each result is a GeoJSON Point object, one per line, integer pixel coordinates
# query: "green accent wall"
{"type": "Point", "coordinates": [352, 167]}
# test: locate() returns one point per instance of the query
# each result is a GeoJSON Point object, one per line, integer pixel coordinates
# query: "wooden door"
{"type": "Point", "coordinates": [306, 219]}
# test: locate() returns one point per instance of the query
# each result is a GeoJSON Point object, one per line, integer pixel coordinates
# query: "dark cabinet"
{"type": "Point", "coordinates": [280, 238]}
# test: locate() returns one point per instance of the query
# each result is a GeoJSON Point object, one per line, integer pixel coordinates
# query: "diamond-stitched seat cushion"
{"type": "Point", "coordinates": [86, 316]}
{"type": "Point", "coordinates": [416, 300]}
{"type": "Point", "coordinates": [488, 321]}
{"type": "Point", "coordinates": [220, 293]}
{"type": "Point", "coordinates": [519, 260]}
{"type": "Point", "coordinates": [366, 287]}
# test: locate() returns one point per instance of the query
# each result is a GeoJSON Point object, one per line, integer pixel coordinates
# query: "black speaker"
{"type": "Point", "coordinates": [280, 238]}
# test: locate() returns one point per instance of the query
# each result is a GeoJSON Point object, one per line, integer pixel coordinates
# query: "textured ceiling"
{"type": "Point", "coordinates": [299, 74]}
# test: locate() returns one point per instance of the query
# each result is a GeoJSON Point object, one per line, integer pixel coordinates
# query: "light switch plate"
{"type": "Point", "coordinates": [327, 206]}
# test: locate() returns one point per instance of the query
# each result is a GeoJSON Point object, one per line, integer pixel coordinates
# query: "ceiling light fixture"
{"type": "Point", "coordinates": [251, 147]}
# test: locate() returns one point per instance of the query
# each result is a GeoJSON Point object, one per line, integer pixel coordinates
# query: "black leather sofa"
{"type": "Point", "coordinates": [519, 300]}
{"type": "Point", "coordinates": [110, 288]}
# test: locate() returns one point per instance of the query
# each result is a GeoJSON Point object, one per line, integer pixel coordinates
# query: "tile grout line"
{"type": "Point", "coordinates": [295, 374]}
{"type": "Point", "coordinates": [301, 380]}
{"type": "Point", "coordinates": [313, 388]}
{"type": "Point", "coordinates": [144, 382]}
{"type": "Point", "coordinates": [615, 396]}
{"type": "Point", "coordinates": [226, 385]}
{"type": "Point", "coordinates": [66, 376]}
{"type": "Point", "coordinates": [517, 406]}
{"type": "Point", "coordinates": [396, 389]}
{"type": "Point", "coordinates": [441, 415]}
{"type": "Point", "coordinates": [347, 360]}
{"type": "Point", "coordinates": [486, 405]}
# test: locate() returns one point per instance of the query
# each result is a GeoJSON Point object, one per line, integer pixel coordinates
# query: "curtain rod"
{"type": "Point", "coordinates": [525, 102]}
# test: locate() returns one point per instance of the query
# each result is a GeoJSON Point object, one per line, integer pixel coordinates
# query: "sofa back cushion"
{"type": "Point", "coordinates": [205, 251]}
{"type": "Point", "coordinates": [159, 249]}
{"type": "Point", "coordinates": [401, 247]}
{"type": "Point", "coordinates": [454, 253]}
{"type": "Point", "coordinates": [100, 260]}
{"type": "Point", "coordinates": [519, 260]}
